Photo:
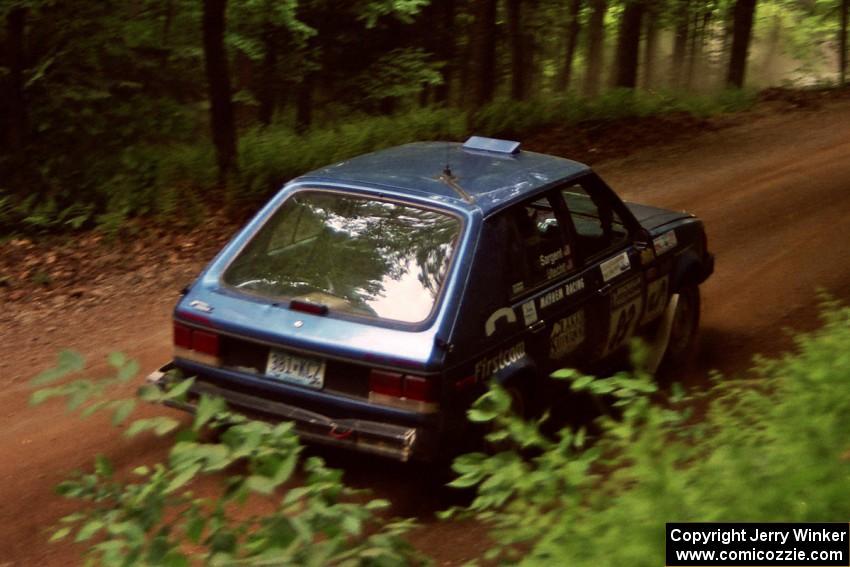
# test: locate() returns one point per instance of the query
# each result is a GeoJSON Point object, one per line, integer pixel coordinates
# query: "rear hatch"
{"type": "Point", "coordinates": [332, 287]}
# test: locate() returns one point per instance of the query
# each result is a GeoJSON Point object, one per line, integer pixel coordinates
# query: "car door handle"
{"type": "Point", "coordinates": [604, 289]}
{"type": "Point", "coordinates": [537, 327]}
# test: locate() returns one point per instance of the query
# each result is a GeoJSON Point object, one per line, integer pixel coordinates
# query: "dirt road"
{"type": "Point", "coordinates": [774, 192]}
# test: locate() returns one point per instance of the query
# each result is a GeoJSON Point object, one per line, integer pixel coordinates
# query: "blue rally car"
{"type": "Point", "coordinates": [372, 300]}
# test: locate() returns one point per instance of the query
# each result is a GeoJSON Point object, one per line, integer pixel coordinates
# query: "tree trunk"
{"type": "Point", "coordinates": [842, 43]}
{"type": "Point", "coordinates": [446, 49]}
{"type": "Point", "coordinates": [595, 46]}
{"type": "Point", "coordinates": [304, 104]}
{"type": "Point", "coordinates": [530, 48]}
{"type": "Point", "coordinates": [680, 43]}
{"type": "Point", "coordinates": [702, 59]}
{"type": "Point", "coordinates": [517, 43]}
{"type": "Point", "coordinates": [573, 28]}
{"type": "Point", "coordinates": [483, 57]}
{"type": "Point", "coordinates": [628, 45]}
{"type": "Point", "coordinates": [167, 23]}
{"type": "Point", "coordinates": [693, 50]}
{"type": "Point", "coordinates": [218, 82]}
{"type": "Point", "coordinates": [268, 85]}
{"type": "Point", "coordinates": [16, 119]}
{"type": "Point", "coordinates": [650, 50]}
{"type": "Point", "coordinates": [741, 32]}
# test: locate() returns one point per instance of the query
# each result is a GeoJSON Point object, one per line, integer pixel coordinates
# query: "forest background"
{"type": "Point", "coordinates": [169, 109]}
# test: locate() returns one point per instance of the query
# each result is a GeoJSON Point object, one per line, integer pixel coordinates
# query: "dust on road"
{"type": "Point", "coordinates": [774, 193]}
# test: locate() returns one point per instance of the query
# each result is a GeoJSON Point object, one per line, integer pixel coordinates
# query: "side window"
{"type": "Point", "coordinates": [598, 227]}
{"type": "Point", "coordinates": [535, 246]}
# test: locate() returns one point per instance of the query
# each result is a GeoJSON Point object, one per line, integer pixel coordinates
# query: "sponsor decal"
{"type": "Point", "coordinates": [551, 297]}
{"type": "Point", "coordinates": [615, 266]}
{"type": "Point", "coordinates": [567, 334]}
{"type": "Point", "coordinates": [574, 286]}
{"type": "Point", "coordinates": [665, 242]}
{"type": "Point", "coordinates": [529, 312]}
{"type": "Point", "coordinates": [656, 298]}
{"type": "Point", "coordinates": [488, 366]}
{"type": "Point", "coordinates": [503, 313]}
{"type": "Point", "coordinates": [623, 322]}
{"type": "Point", "coordinates": [518, 288]}
{"type": "Point", "coordinates": [626, 292]}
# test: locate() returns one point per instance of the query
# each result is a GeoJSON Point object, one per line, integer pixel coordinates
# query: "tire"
{"type": "Point", "coordinates": [681, 345]}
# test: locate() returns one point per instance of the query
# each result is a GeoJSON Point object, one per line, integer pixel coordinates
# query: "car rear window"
{"type": "Point", "coordinates": [356, 255]}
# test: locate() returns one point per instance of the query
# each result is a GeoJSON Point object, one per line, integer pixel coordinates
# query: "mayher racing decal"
{"type": "Point", "coordinates": [656, 298]}
{"type": "Point", "coordinates": [529, 312]}
{"type": "Point", "coordinates": [486, 367]}
{"type": "Point", "coordinates": [567, 334]}
{"type": "Point", "coordinates": [552, 297]}
{"type": "Point", "coordinates": [503, 313]}
{"type": "Point", "coordinates": [626, 304]}
{"type": "Point", "coordinates": [665, 242]}
{"type": "Point", "coordinates": [615, 266]}
{"type": "Point", "coordinates": [574, 286]}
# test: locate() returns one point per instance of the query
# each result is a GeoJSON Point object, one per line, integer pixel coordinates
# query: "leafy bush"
{"type": "Point", "coordinates": [514, 118]}
{"type": "Point", "coordinates": [177, 180]}
{"type": "Point", "coordinates": [773, 447]}
{"type": "Point", "coordinates": [152, 516]}
{"type": "Point", "coordinates": [270, 156]}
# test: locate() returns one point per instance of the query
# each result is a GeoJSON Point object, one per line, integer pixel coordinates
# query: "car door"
{"type": "Point", "coordinates": [548, 286]}
{"type": "Point", "coordinates": [604, 234]}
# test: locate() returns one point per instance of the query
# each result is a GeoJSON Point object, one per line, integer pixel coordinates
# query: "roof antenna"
{"type": "Point", "coordinates": [447, 171]}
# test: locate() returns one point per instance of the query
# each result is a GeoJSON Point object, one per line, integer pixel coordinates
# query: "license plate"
{"type": "Point", "coordinates": [301, 370]}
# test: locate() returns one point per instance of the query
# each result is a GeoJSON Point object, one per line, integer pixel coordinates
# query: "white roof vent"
{"type": "Point", "coordinates": [483, 144]}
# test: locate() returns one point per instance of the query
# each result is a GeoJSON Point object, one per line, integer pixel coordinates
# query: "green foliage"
{"type": "Point", "coordinates": [370, 11]}
{"type": "Point", "coordinates": [399, 74]}
{"type": "Point", "coordinates": [507, 116]}
{"type": "Point", "coordinates": [270, 156]}
{"type": "Point", "coordinates": [766, 448]}
{"type": "Point", "coordinates": [152, 515]}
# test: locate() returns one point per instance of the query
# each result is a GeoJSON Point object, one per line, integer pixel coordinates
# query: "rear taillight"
{"type": "Point", "coordinates": [205, 342]}
{"type": "Point", "coordinates": [386, 383]}
{"type": "Point", "coordinates": [196, 345]}
{"type": "Point", "coordinates": [182, 335]}
{"type": "Point", "coordinates": [420, 389]}
{"type": "Point", "coordinates": [402, 391]}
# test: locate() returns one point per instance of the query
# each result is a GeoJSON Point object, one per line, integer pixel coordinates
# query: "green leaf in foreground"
{"type": "Point", "coordinates": [771, 445]}
{"type": "Point", "coordinates": [151, 515]}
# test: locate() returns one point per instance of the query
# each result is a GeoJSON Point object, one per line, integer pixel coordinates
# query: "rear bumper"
{"type": "Point", "coordinates": [398, 442]}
